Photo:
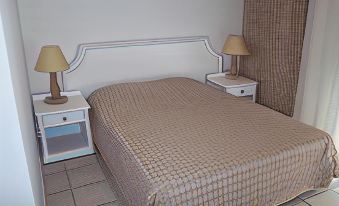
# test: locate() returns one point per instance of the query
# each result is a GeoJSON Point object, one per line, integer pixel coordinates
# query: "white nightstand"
{"type": "Point", "coordinates": [63, 129]}
{"type": "Point", "coordinates": [241, 87]}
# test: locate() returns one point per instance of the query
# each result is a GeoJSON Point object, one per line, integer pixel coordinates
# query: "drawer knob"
{"type": "Point", "coordinates": [64, 118]}
{"type": "Point", "coordinates": [242, 91]}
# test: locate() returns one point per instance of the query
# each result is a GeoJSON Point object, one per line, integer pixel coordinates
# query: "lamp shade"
{"type": "Point", "coordinates": [235, 45]}
{"type": "Point", "coordinates": [51, 59]}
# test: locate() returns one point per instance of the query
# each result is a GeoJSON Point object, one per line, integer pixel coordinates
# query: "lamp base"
{"type": "Point", "coordinates": [232, 77]}
{"type": "Point", "coordinates": [59, 100]}
{"type": "Point", "coordinates": [234, 69]}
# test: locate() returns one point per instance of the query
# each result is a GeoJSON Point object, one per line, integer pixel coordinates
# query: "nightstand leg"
{"type": "Point", "coordinates": [255, 93]}
{"type": "Point", "coordinates": [43, 140]}
{"type": "Point", "coordinates": [89, 133]}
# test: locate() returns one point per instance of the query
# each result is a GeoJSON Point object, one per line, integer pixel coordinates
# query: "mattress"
{"type": "Point", "coordinates": [177, 141]}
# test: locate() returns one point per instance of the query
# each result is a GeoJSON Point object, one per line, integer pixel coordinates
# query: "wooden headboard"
{"type": "Point", "coordinates": [99, 64]}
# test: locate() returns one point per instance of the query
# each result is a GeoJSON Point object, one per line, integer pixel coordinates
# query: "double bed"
{"type": "Point", "coordinates": [166, 138]}
{"type": "Point", "coordinates": [177, 141]}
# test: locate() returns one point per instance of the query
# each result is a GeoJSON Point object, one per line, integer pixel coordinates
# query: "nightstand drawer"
{"type": "Point", "coordinates": [66, 117]}
{"type": "Point", "coordinates": [241, 91]}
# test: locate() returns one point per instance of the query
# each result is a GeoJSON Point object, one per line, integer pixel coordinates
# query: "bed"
{"type": "Point", "coordinates": [166, 138]}
{"type": "Point", "coordinates": [176, 141]}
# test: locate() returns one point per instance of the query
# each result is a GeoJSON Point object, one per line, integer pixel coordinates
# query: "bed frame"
{"type": "Point", "coordinates": [99, 64]}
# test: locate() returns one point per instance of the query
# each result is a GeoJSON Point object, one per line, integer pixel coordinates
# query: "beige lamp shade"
{"type": "Point", "coordinates": [51, 59]}
{"type": "Point", "coordinates": [235, 45]}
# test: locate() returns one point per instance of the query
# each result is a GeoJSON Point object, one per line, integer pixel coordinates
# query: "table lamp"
{"type": "Point", "coordinates": [52, 60]}
{"type": "Point", "coordinates": [235, 46]}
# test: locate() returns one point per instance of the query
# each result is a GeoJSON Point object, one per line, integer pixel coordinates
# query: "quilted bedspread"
{"type": "Point", "coordinates": [177, 141]}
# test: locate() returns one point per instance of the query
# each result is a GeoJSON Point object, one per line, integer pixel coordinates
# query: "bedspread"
{"type": "Point", "coordinates": [177, 141]}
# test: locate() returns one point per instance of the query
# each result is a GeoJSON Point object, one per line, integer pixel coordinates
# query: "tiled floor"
{"type": "Point", "coordinates": [77, 182]}
{"type": "Point", "coordinates": [81, 182]}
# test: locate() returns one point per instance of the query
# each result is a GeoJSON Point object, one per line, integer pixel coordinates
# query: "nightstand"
{"type": "Point", "coordinates": [63, 129]}
{"type": "Point", "coordinates": [241, 87]}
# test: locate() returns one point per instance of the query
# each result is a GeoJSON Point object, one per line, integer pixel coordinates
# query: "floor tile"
{"type": "Point", "coordinates": [328, 198]}
{"type": "Point", "coordinates": [111, 204]}
{"type": "Point", "coordinates": [301, 204]}
{"type": "Point", "coordinates": [94, 194]}
{"type": "Point", "coordinates": [61, 199]}
{"type": "Point", "coordinates": [336, 190]}
{"type": "Point", "coordinates": [53, 168]}
{"type": "Point", "coordinates": [334, 184]}
{"type": "Point", "coordinates": [311, 193]}
{"type": "Point", "coordinates": [292, 202]}
{"type": "Point", "coordinates": [81, 161]}
{"type": "Point", "coordinates": [56, 183]}
{"type": "Point", "coordinates": [85, 175]}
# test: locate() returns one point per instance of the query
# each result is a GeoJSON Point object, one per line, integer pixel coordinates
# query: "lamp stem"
{"type": "Point", "coordinates": [54, 87]}
{"type": "Point", "coordinates": [234, 65]}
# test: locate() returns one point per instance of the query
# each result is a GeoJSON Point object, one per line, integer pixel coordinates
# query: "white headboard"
{"type": "Point", "coordinates": [99, 64]}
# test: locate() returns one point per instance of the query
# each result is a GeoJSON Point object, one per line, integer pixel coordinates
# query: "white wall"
{"type": "Point", "coordinates": [304, 60]}
{"type": "Point", "coordinates": [20, 173]}
{"type": "Point", "coordinates": [69, 23]}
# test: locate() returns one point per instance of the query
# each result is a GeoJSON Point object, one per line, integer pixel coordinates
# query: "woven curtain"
{"type": "Point", "coordinates": [274, 33]}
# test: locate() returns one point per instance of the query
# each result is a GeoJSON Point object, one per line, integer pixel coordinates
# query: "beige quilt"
{"type": "Point", "coordinates": [176, 141]}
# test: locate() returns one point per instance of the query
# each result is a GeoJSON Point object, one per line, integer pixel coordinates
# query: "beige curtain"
{"type": "Point", "coordinates": [274, 33]}
{"type": "Point", "coordinates": [318, 93]}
